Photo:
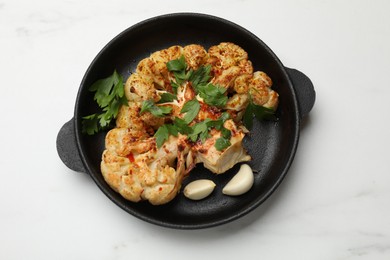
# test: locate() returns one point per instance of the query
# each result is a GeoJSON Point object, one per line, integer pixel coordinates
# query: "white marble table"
{"type": "Point", "coordinates": [334, 203]}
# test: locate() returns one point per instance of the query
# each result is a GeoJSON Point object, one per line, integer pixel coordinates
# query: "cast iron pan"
{"type": "Point", "coordinates": [272, 145]}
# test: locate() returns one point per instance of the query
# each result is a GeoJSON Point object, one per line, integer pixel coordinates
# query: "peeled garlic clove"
{"type": "Point", "coordinates": [241, 182]}
{"type": "Point", "coordinates": [199, 189]}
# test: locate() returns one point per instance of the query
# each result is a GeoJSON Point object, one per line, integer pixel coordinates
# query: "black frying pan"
{"type": "Point", "coordinates": [272, 145]}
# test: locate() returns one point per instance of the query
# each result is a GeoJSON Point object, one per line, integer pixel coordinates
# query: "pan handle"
{"type": "Point", "coordinates": [304, 89]}
{"type": "Point", "coordinates": [67, 147]}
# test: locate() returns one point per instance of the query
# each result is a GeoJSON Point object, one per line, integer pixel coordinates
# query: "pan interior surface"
{"type": "Point", "coordinates": [271, 144]}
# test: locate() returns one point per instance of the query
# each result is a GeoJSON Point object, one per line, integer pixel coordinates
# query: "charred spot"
{"type": "Point", "coordinates": [133, 139]}
{"type": "Point", "coordinates": [168, 120]}
{"type": "Point", "coordinates": [212, 111]}
{"type": "Point", "coordinates": [202, 150]}
{"type": "Point", "coordinates": [157, 86]}
{"type": "Point", "coordinates": [216, 71]}
{"type": "Point", "coordinates": [166, 150]}
{"type": "Point", "coordinates": [181, 147]}
{"type": "Point", "coordinates": [150, 131]}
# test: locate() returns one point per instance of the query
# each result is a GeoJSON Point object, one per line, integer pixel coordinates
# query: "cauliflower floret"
{"type": "Point", "coordinates": [137, 88]}
{"type": "Point", "coordinates": [174, 52]}
{"type": "Point", "coordinates": [160, 59]}
{"type": "Point", "coordinates": [237, 102]}
{"type": "Point", "coordinates": [229, 61]}
{"type": "Point", "coordinates": [241, 83]}
{"type": "Point", "coordinates": [245, 66]}
{"type": "Point", "coordinates": [227, 77]}
{"type": "Point", "coordinates": [154, 70]}
{"type": "Point", "coordinates": [261, 92]}
{"type": "Point", "coordinates": [226, 54]}
{"type": "Point", "coordinates": [195, 55]}
{"type": "Point", "coordinates": [128, 117]}
{"type": "Point", "coordinates": [149, 70]}
{"type": "Point", "coordinates": [143, 172]}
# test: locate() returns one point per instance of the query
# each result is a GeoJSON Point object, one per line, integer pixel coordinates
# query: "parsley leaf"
{"type": "Point", "coordinates": [264, 113]}
{"type": "Point", "coordinates": [212, 95]}
{"type": "Point", "coordinates": [177, 65]}
{"type": "Point", "coordinates": [161, 135]}
{"type": "Point", "coordinates": [222, 143]}
{"type": "Point", "coordinates": [175, 86]}
{"type": "Point", "coordinates": [182, 126]}
{"type": "Point", "coordinates": [157, 111]}
{"type": "Point", "coordinates": [200, 130]}
{"type": "Point", "coordinates": [226, 133]}
{"type": "Point", "coordinates": [90, 124]}
{"type": "Point", "coordinates": [218, 124]}
{"type": "Point", "coordinates": [260, 112]}
{"type": "Point", "coordinates": [247, 118]}
{"type": "Point", "coordinates": [166, 97]}
{"type": "Point", "coordinates": [191, 108]}
{"type": "Point", "coordinates": [109, 95]}
{"type": "Point", "coordinates": [200, 76]}
{"type": "Point", "coordinates": [179, 69]}
{"type": "Point", "coordinates": [163, 132]}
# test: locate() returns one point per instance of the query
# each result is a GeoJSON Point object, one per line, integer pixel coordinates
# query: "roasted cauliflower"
{"type": "Point", "coordinates": [185, 106]}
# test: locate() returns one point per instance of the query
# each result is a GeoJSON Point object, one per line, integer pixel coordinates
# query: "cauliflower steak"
{"type": "Point", "coordinates": [185, 106]}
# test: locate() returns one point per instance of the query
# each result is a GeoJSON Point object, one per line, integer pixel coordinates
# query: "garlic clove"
{"type": "Point", "coordinates": [199, 189]}
{"type": "Point", "coordinates": [241, 182]}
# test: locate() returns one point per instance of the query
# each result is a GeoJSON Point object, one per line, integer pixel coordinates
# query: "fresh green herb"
{"type": "Point", "coordinates": [177, 65]}
{"type": "Point", "coordinates": [182, 126]}
{"type": "Point", "coordinates": [222, 143]}
{"type": "Point", "coordinates": [175, 86]}
{"type": "Point", "coordinates": [218, 124]}
{"type": "Point", "coordinates": [90, 124]}
{"type": "Point", "coordinates": [200, 130]}
{"type": "Point", "coordinates": [109, 95]}
{"type": "Point", "coordinates": [178, 126]}
{"type": "Point", "coordinates": [226, 133]}
{"type": "Point", "coordinates": [161, 135]}
{"type": "Point", "coordinates": [157, 111]}
{"type": "Point", "coordinates": [200, 76]}
{"type": "Point", "coordinates": [212, 95]}
{"type": "Point", "coordinates": [225, 116]}
{"type": "Point", "coordinates": [260, 112]}
{"type": "Point", "coordinates": [191, 109]}
{"type": "Point", "coordinates": [163, 132]}
{"type": "Point", "coordinates": [167, 97]}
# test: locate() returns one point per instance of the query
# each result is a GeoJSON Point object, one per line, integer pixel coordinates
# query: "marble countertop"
{"type": "Point", "coordinates": [334, 202]}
